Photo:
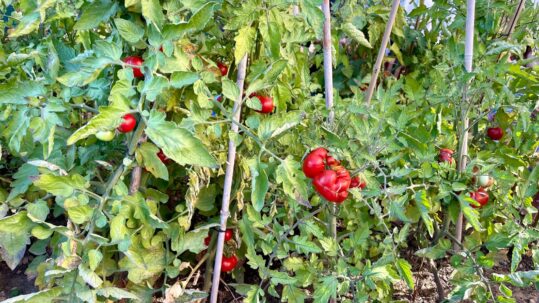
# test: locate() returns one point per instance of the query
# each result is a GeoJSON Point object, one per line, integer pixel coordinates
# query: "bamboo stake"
{"type": "Point", "coordinates": [328, 83]}
{"type": "Point", "coordinates": [382, 50]}
{"type": "Point", "coordinates": [463, 149]}
{"type": "Point", "coordinates": [328, 61]}
{"type": "Point", "coordinates": [229, 174]}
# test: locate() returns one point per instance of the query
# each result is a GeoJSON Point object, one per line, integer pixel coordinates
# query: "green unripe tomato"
{"type": "Point", "coordinates": [105, 135]}
{"type": "Point", "coordinates": [484, 180]}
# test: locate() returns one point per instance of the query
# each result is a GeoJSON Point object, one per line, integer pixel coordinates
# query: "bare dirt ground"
{"type": "Point", "coordinates": [13, 283]}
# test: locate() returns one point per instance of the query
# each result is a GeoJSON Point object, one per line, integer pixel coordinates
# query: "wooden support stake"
{"type": "Point", "coordinates": [229, 175]}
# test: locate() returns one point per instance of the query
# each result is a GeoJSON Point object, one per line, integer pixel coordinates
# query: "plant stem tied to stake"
{"type": "Point", "coordinates": [463, 149]}
{"type": "Point", "coordinates": [229, 174]}
{"type": "Point", "coordinates": [382, 50]}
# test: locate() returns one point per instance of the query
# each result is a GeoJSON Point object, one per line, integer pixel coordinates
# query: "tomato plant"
{"type": "Point", "coordinates": [98, 221]}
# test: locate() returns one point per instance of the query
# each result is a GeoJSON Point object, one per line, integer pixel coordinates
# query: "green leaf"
{"type": "Point", "coordinates": [328, 289]}
{"type": "Point", "coordinates": [14, 235]}
{"type": "Point", "coordinates": [130, 31]}
{"type": "Point", "coordinates": [38, 210]}
{"type": "Point", "coordinates": [313, 15]}
{"type": "Point", "coordinates": [109, 117]}
{"type": "Point", "coordinates": [11, 92]}
{"type": "Point", "coordinates": [293, 294]}
{"type": "Point", "coordinates": [182, 79]}
{"type": "Point", "coordinates": [61, 185]}
{"type": "Point", "coordinates": [356, 34]}
{"type": "Point", "coordinates": [424, 206]}
{"type": "Point", "coordinates": [94, 13]}
{"type": "Point", "coordinates": [80, 214]}
{"type": "Point", "coordinates": [94, 258]}
{"type": "Point", "coordinates": [196, 23]}
{"type": "Point", "coordinates": [244, 42]}
{"type": "Point", "coordinates": [116, 293]}
{"type": "Point", "coordinates": [405, 271]}
{"type": "Point", "coordinates": [471, 214]}
{"type": "Point", "coordinates": [177, 143]}
{"type": "Point", "coordinates": [259, 184]}
{"type": "Point", "coordinates": [230, 90]}
{"type": "Point", "coordinates": [27, 24]}
{"type": "Point", "coordinates": [43, 296]}
{"type": "Point", "coordinates": [152, 12]}
{"type": "Point", "coordinates": [146, 155]}
{"type": "Point", "coordinates": [435, 252]}
{"type": "Point", "coordinates": [395, 49]}
{"type": "Point", "coordinates": [89, 276]}
{"type": "Point", "coordinates": [291, 177]}
{"type": "Point", "coordinates": [23, 179]}
{"type": "Point", "coordinates": [154, 87]}
{"type": "Point", "coordinates": [205, 200]}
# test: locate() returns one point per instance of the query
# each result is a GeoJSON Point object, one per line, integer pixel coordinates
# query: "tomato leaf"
{"type": "Point", "coordinates": [130, 31]}
{"type": "Point", "coordinates": [424, 206]}
{"type": "Point", "coordinates": [94, 13]}
{"type": "Point", "coordinates": [259, 184]}
{"type": "Point", "coordinates": [405, 271]}
{"type": "Point", "coordinates": [244, 42]}
{"type": "Point", "coordinates": [177, 143]}
{"type": "Point", "coordinates": [152, 12]}
{"type": "Point", "coordinates": [471, 214]}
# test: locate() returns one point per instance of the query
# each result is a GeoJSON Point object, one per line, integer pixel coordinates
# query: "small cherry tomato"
{"type": "Point", "coordinates": [222, 68]}
{"type": "Point", "coordinates": [228, 263]}
{"type": "Point", "coordinates": [105, 135]}
{"type": "Point", "coordinates": [128, 124]}
{"type": "Point", "coordinates": [495, 133]}
{"type": "Point", "coordinates": [137, 61]}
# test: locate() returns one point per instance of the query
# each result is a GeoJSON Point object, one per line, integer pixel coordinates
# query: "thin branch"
{"type": "Point", "coordinates": [229, 175]}
{"type": "Point", "coordinates": [382, 51]}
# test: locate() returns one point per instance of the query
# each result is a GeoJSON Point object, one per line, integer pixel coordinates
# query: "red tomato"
{"type": "Point", "coordinates": [219, 98]}
{"type": "Point", "coordinates": [481, 196]}
{"type": "Point", "coordinates": [223, 68]}
{"type": "Point", "coordinates": [332, 186]}
{"type": "Point", "coordinates": [332, 161]}
{"type": "Point", "coordinates": [267, 104]}
{"type": "Point", "coordinates": [207, 240]}
{"type": "Point", "coordinates": [495, 133]}
{"type": "Point", "coordinates": [128, 124]}
{"type": "Point", "coordinates": [163, 157]}
{"type": "Point", "coordinates": [228, 263]}
{"type": "Point", "coordinates": [229, 234]}
{"type": "Point", "coordinates": [314, 163]}
{"type": "Point", "coordinates": [135, 60]}
{"type": "Point", "coordinates": [446, 155]}
{"type": "Point", "coordinates": [357, 182]}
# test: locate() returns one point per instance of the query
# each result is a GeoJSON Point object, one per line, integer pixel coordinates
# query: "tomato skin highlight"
{"type": "Point", "coordinates": [128, 124]}
{"type": "Point", "coordinates": [222, 68]}
{"type": "Point", "coordinates": [135, 60]}
{"type": "Point", "coordinates": [228, 263]}
{"type": "Point", "coordinates": [267, 104]}
{"type": "Point", "coordinates": [314, 163]}
{"type": "Point", "coordinates": [495, 133]}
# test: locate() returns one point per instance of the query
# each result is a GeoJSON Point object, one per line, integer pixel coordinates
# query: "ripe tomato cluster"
{"type": "Point", "coordinates": [228, 263]}
{"type": "Point", "coordinates": [330, 179]}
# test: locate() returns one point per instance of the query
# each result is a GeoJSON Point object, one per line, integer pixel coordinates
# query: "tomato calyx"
{"type": "Point", "coordinates": [128, 124]}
